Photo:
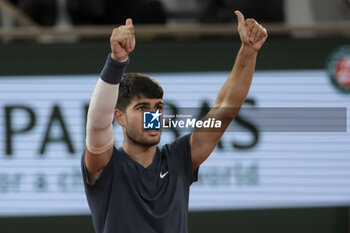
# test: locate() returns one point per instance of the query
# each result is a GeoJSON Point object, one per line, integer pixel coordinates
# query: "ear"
{"type": "Point", "coordinates": [119, 116]}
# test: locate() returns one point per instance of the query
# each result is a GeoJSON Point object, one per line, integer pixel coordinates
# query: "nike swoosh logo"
{"type": "Point", "coordinates": [163, 175]}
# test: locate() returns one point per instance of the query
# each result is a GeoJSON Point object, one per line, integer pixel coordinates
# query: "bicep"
{"type": "Point", "coordinates": [97, 158]}
{"type": "Point", "coordinates": [97, 152]}
{"type": "Point", "coordinates": [203, 141]}
{"type": "Point", "coordinates": [95, 163]}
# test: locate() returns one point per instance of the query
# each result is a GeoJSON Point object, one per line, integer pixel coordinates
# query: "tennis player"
{"type": "Point", "coordinates": [139, 187]}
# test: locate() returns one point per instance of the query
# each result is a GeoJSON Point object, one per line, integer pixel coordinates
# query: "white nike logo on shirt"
{"type": "Point", "coordinates": [163, 175]}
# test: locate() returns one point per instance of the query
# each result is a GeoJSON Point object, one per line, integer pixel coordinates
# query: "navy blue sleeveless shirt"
{"type": "Point", "coordinates": [129, 198]}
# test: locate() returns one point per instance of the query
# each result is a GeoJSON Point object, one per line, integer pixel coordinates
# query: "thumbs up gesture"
{"type": "Point", "coordinates": [123, 41]}
{"type": "Point", "coordinates": [251, 33]}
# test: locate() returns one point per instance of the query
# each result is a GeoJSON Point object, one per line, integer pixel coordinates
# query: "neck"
{"type": "Point", "coordinates": [144, 155]}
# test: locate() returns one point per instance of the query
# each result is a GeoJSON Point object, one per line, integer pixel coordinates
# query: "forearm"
{"type": "Point", "coordinates": [99, 129]}
{"type": "Point", "coordinates": [235, 90]}
{"type": "Point", "coordinates": [101, 108]}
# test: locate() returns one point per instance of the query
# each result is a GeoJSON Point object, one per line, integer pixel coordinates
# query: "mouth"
{"type": "Point", "coordinates": [153, 132]}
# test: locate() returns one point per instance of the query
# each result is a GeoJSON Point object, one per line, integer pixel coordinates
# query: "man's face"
{"type": "Point", "coordinates": [134, 121]}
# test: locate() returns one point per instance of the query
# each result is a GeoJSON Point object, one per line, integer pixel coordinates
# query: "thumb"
{"type": "Point", "coordinates": [240, 17]}
{"type": "Point", "coordinates": [128, 22]}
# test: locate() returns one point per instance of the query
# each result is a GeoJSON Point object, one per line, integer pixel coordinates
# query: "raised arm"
{"type": "Point", "coordinates": [233, 93]}
{"type": "Point", "coordinates": [99, 128]}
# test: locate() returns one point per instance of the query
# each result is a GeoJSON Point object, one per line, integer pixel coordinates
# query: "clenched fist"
{"type": "Point", "coordinates": [251, 33]}
{"type": "Point", "coordinates": [123, 41]}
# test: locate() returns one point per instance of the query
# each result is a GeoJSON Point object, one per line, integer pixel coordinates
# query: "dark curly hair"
{"type": "Point", "coordinates": [137, 85]}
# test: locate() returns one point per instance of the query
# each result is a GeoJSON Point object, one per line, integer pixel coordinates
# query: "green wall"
{"type": "Point", "coordinates": [318, 220]}
{"type": "Point", "coordinates": [179, 56]}
{"type": "Point", "coordinates": [162, 56]}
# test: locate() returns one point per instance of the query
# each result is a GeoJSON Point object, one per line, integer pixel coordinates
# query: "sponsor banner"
{"type": "Point", "coordinates": [42, 132]}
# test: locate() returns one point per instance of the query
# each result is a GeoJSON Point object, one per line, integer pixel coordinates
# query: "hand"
{"type": "Point", "coordinates": [251, 33]}
{"type": "Point", "coordinates": [123, 41]}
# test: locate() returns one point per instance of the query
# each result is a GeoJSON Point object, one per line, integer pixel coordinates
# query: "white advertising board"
{"type": "Point", "coordinates": [42, 138]}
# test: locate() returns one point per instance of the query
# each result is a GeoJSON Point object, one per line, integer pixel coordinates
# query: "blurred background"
{"type": "Point", "coordinates": [51, 52]}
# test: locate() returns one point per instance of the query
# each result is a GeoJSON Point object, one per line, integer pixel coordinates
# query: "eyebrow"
{"type": "Point", "coordinates": [147, 104]}
{"type": "Point", "coordinates": [141, 104]}
{"type": "Point", "coordinates": [160, 103]}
